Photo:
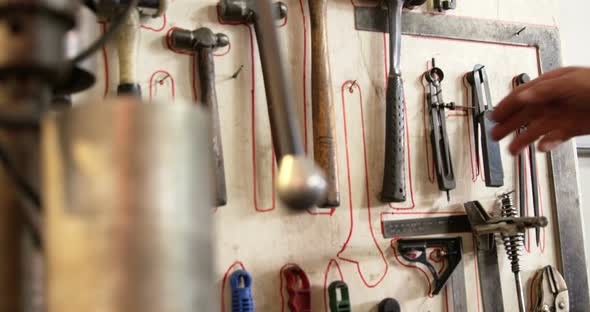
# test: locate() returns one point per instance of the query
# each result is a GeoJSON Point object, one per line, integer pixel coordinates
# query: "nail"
{"type": "Point", "coordinates": [237, 73]}
{"type": "Point", "coordinates": [162, 80]}
{"type": "Point", "coordinates": [520, 31]}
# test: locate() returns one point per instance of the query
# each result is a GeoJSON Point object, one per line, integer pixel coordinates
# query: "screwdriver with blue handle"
{"type": "Point", "coordinates": [241, 292]}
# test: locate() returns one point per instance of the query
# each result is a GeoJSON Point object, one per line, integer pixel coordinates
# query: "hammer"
{"type": "Point", "coordinates": [394, 173]}
{"type": "Point", "coordinates": [300, 183]}
{"type": "Point", "coordinates": [203, 42]}
{"type": "Point", "coordinates": [324, 129]}
{"type": "Point", "coordinates": [128, 38]}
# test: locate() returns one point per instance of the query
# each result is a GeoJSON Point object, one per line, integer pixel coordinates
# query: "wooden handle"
{"type": "Point", "coordinates": [127, 48]}
{"type": "Point", "coordinates": [324, 131]}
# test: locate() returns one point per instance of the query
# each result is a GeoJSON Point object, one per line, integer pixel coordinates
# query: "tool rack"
{"type": "Point", "coordinates": [255, 233]}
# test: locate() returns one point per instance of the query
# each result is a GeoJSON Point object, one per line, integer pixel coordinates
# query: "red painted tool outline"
{"type": "Point", "coordinates": [224, 282]}
{"type": "Point", "coordinates": [412, 266]}
{"type": "Point", "coordinates": [347, 85]}
{"type": "Point", "coordinates": [160, 29]}
{"type": "Point", "coordinates": [311, 211]}
{"type": "Point", "coordinates": [408, 145]}
{"type": "Point", "coordinates": [253, 118]}
{"type": "Point", "coordinates": [161, 82]}
{"type": "Point", "coordinates": [330, 263]}
{"type": "Point", "coordinates": [430, 162]}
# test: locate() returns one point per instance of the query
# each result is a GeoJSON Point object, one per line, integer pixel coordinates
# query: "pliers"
{"type": "Point", "coordinates": [550, 292]}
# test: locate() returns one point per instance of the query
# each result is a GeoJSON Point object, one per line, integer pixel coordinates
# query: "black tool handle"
{"type": "Point", "coordinates": [389, 305]}
{"type": "Point", "coordinates": [492, 158]}
{"type": "Point", "coordinates": [206, 69]}
{"type": "Point", "coordinates": [441, 151]}
{"type": "Point", "coordinates": [132, 89]}
{"type": "Point", "coordinates": [394, 172]}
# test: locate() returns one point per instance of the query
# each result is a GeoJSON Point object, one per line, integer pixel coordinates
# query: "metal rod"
{"type": "Point", "coordinates": [519, 292]}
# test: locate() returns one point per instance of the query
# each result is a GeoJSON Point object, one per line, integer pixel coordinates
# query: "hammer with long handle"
{"type": "Point", "coordinates": [128, 38]}
{"type": "Point", "coordinates": [394, 172]}
{"type": "Point", "coordinates": [300, 184]}
{"type": "Point", "coordinates": [324, 129]}
{"type": "Point", "coordinates": [203, 42]}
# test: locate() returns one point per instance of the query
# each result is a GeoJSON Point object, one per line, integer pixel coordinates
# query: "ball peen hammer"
{"type": "Point", "coordinates": [300, 183]}
{"type": "Point", "coordinates": [394, 173]}
{"type": "Point", "coordinates": [203, 42]}
{"type": "Point", "coordinates": [128, 38]}
{"type": "Point", "coordinates": [324, 129]}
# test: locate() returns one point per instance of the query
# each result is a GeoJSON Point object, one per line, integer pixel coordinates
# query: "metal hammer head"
{"type": "Point", "coordinates": [246, 11]}
{"type": "Point", "coordinates": [183, 39]}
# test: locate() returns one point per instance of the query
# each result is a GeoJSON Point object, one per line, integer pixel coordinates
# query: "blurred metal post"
{"type": "Point", "coordinates": [127, 193]}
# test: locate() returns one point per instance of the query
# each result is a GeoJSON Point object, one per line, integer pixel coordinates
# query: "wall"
{"type": "Point", "coordinates": [573, 18]}
{"type": "Point", "coordinates": [256, 232]}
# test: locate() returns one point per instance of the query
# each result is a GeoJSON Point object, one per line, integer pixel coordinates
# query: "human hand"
{"type": "Point", "coordinates": [555, 106]}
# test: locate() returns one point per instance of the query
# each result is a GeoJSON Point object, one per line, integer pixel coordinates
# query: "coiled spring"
{"type": "Point", "coordinates": [513, 244]}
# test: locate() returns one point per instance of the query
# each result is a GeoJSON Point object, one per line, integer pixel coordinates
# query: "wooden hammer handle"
{"type": "Point", "coordinates": [324, 131]}
{"type": "Point", "coordinates": [128, 50]}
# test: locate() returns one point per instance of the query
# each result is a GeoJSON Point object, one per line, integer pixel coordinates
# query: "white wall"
{"type": "Point", "coordinates": [573, 24]}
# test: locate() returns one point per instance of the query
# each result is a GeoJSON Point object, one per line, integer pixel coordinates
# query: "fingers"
{"type": "Point", "coordinates": [511, 124]}
{"type": "Point", "coordinates": [549, 75]}
{"type": "Point", "coordinates": [515, 101]}
{"type": "Point", "coordinates": [527, 106]}
{"type": "Point", "coordinates": [535, 130]}
{"type": "Point", "coordinates": [552, 140]}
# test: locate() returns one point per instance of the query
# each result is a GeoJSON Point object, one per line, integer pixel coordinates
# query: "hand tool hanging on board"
{"type": "Point", "coordinates": [394, 172]}
{"type": "Point", "coordinates": [425, 226]}
{"type": "Point", "coordinates": [448, 249]}
{"type": "Point", "coordinates": [546, 40]}
{"type": "Point", "coordinates": [203, 42]}
{"type": "Point", "coordinates": [513, 244]}
{"type": "Point", "coordinates": [128, 38]}
{"type": "Point", "coordinates": [389, 305]}
{"type": "Point", "coordinates": [324, 128]}
{"type": "Point", "coordinates": [299, 290]}
{"type": "Point", "coordinates": [339, 297]}
{"type": "Point", "coordinates": [522, 181]}
{"type": "Point", "coordinates": [482, 125]}
{"type": "Point", "coordinates": [300, 183]}
{"type": "Point", "coordinates": [439, 139]}
{"type": "Point", "coordinates": [550, 291]}
{"type": "Point", "coordinates": [484, 228]}
{"type": "Point", "coordinates": [241, 292]}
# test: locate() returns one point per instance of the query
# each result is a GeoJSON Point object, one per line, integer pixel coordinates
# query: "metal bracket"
{"type": "Point", "coordinates": [451, 251]}
{"type": "Point", "coordinates": [566, 195]}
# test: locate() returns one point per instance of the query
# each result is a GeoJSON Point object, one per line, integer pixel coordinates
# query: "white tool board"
{"type": "Point", "coordinates": [255, 232]}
